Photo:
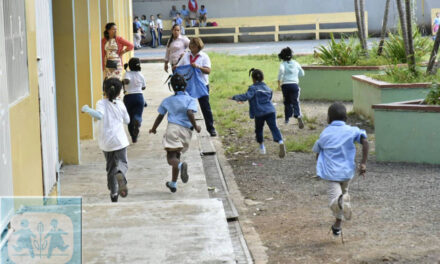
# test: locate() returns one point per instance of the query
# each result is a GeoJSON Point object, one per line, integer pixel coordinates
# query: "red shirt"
{"type": "Point", "coordinates": [121, 44]}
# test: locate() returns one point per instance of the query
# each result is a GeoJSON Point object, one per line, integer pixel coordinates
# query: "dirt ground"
{"type": "Point", "coordinates": [396, 206]}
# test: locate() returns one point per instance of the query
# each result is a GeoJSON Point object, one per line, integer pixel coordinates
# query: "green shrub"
{"type": "Point", "coordinates": [433, 97]}
{"type": "Point", "coordinates": [394, 47]}
{"type": "Point", "coordinates": [342, 53]}
{"type": "Point", "coordinates": [396, 74]}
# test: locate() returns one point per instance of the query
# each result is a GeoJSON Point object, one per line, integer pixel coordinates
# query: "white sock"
{"type": "Point", "coordinates": [180, 165]}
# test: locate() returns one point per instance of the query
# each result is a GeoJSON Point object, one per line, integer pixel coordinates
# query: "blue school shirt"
{"type": "Point", "coordinates": [259, 96]}
{"type": "Point", "coordinates": [184, 13]}
{"type": "Point", "coordinates": [337, 151]}
{"type": "Point", "coordinates": [202, 12]}
{"type": "Point", "coordinates": [179, 21]}
{"type": "Point", "coordinates": [195, 85]}
{"type": "Point", "coordinates": [176, 106]}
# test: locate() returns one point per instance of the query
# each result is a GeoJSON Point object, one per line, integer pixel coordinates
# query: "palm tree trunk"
{"type": "Point", "coordinates": [431, 69]}
{"type": "Point", "coordinates": [364, 34]}
{"type": "Point", "coordinates": [411, 55]}
{"type": "Point", "coordinates": [403, 26]}
{"type": "Point", "coordinates": [358, 20]}
{"type": "Point", "coordinates": [384, 28]}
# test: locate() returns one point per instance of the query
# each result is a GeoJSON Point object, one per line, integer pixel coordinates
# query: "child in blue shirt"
{"type": "Point", "coordinates": [288, 81]}
{"type": "Point", "coordinates": [336, 152]}
{"type": "Point", "coordinates": [261, 108]}
{"type": "Point", "coordinates": [181, 122]}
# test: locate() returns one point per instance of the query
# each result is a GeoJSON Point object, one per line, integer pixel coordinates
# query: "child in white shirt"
{"type": "Point", "coordinates": [112, 140]}
{"type": "Point", "coordinates": [134, 84]}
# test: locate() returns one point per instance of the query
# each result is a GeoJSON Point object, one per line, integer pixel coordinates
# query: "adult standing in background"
{"type": "Point", "coordinates": [145, 27]}
{"type": "Point", "coordinates": [173, 12]}
{"type": "Point", "coordinates": [176, 47]}
{"type": "Point", "coordinates": [137, 31]}
{"type": "Point", "coordinates": [200, 60]}
{"type": "Point", "coordinates": [112, 49]}
{"type": "Point", "coordinates": [193, 8]}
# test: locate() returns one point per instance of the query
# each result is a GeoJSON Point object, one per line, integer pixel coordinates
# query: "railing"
{"type": "Point", "coordinates": [278, 25]}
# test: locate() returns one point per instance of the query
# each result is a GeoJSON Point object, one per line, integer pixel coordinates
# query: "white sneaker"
{"type": "Point", "coordinates": [263, 150]}
{"type": "Point", "coordinates": [346, 208]}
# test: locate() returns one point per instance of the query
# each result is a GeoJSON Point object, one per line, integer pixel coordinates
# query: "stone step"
{"type": "Point", "coordinates": [185, 231]}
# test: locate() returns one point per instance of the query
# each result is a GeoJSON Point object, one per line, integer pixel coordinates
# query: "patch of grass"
{"type": "Point", "coordinates": [310, 120]}
{"type": "Point", "coordinates": [397, 74]}
{"type": "Point", "coordinates": [301, 144]}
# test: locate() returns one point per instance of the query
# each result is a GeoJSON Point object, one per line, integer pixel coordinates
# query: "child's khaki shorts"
{"type": "Point", "coordinates": [176, 138]}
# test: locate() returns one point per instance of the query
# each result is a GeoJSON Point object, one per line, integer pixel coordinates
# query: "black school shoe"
{"type": "Point", "coordinates": [172, 189]}
{"type": "Point", "coordinates": [123, 190]}
{"type": "Point", "coordinates": [114, 198]}
{"type": "Point", "coordinates": [336, 231]}
{"type": "Point", "coordinates": [213, 133]}
{"type": "Point", "coordinates": [184, 172]}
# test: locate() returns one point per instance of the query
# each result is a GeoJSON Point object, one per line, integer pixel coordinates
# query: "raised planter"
{"type": "Point", "coordinates": [407, 132]}
{"type": "Point", "coordinates": [368, 91]}
{"type": "Point", "coordinates": [331, 82]}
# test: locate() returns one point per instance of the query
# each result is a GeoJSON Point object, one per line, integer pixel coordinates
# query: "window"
{"type": "Point", "coordinates": [16, 49]}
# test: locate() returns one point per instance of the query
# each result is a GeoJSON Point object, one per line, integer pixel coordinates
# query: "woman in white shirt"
{"type": "Point", "coordinates": [176, 47]}
{"type": "Point", "coordinates": [200, 60]}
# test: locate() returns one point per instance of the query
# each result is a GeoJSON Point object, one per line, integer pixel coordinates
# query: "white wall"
{"type": "Point", "coordinates": [239, 8]}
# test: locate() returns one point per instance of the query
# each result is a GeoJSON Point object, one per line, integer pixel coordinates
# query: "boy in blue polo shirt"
{"type": "Point", "coordinates": [336, 152]}
{"type": "Point", "coordinates": [181, 122]}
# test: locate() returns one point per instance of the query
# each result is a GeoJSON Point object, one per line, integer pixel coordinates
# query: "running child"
{"type": "Point", "coordinates": [262, 110]}
{"type": "Point", "coordinates": [134, 84]}
{"type": "Point", "coordinates": [288, 81]}
{"type": "Point", "coordinates": [112, 140]}
{"type": "Point", "coordinates": [336, 152]}
{"type": "Point", "coordinates": [181, 122]}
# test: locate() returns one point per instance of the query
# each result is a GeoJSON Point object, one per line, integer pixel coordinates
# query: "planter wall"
{"type": "Point", "coordinates": [331, 82]}
{"type": "Point", "coordinates": [368, 91]}
{"type": "Point", "coordinates": [407, 132]}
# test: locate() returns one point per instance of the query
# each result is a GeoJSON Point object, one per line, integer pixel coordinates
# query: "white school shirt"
{"type": "Point", "coordinates": [111, 135]}
{"type": "Point", "coordinates": [137, 81]}
{"type": "Point", "coordinates": [202, 61]}
{"type": "Point", "coordinates": [159, 23]}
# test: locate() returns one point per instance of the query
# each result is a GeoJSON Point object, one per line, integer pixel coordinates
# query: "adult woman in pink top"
{"type": "Point", "coordinates": [176, 47]}
{"type": "Point", "coordinates": [112, 48]}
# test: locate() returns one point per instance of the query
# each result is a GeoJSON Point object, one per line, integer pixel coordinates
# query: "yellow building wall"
{"type": "Point", "coordinates": [104, 14]}
{"type": "Point", "coordinates": [96, 58]}
{"type": "Point", "coordinates": [83, 66]}
{"type": "Point", "coordinates": [25, 124]}
{"type": "Point", "coordinates": [65, 77]}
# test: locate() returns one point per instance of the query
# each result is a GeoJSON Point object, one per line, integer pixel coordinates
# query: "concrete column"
{"type": "Point", "coordinates": [129, 17]}
{"type": "Point", "coordinates": [104, 14]}
{"type": "Point", "coordinates": [83, 65]}
{"type": "Point", "coordinates": [95, 38]}
{"type": "Point", "coordinates": [67, 92]}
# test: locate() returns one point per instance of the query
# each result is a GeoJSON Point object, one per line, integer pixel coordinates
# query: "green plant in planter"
{"type": "Point", "coordinates": [396, 74]}
{"type": "Point", "coordinates": [433, 97]}
{"type": "Point", "coordinates": [342, 53]}
{"type": "Point", "coordinates": [394, 48]}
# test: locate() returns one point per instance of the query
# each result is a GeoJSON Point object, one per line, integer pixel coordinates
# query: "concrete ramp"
{"type": "Point", "coordinates": [185, 231]}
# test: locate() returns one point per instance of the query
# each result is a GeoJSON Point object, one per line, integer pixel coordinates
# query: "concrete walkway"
{"type": "Point", "coordinates": [151, 225]}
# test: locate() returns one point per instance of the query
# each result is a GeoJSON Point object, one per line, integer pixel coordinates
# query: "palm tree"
{"type": "Point", "coordinates": [360, 22]}
{"type": "Point", "coordinates": [403, 26]}
{"type": "Point", "coordinates": [410, 55]}
{"type": "Point", "coordinates": [384, 28]}
{"type": "Point", "coordinates": [431, 69]}
{"type": "Point", "coordinates": [364, 33]}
